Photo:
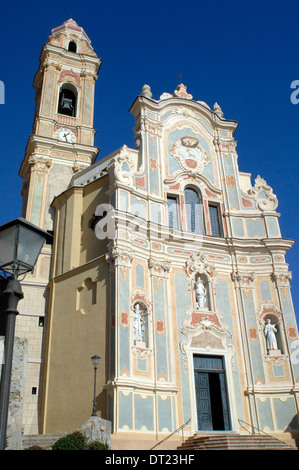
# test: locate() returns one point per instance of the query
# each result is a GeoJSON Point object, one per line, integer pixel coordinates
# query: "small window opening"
{"type": "Point", "coordinates": [216, 226]}
{"type": "Point", "coordinates": [34, 391]}
{"type": "Point", "coordinates": [173, 212]}
{"type": "Point", "coordinates": [72, 46]}
{"type": "Point", "coordinates": [41, 321]}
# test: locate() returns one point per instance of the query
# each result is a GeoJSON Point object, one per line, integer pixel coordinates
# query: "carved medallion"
{"type": "Point", "coordinates": [190, 154]}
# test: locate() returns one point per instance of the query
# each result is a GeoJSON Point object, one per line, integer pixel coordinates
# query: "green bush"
{"type": "Point", "coordinates": [77, 441]}
{"type": "Point", "coordinates": [74, 441]}
{"type": "Point", "coordinates": [97, 445]}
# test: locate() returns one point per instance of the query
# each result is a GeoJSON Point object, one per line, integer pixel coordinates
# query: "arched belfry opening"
{"type": "Point", "coordinates": [67, 102]}
{"type": "Point", "coordinates": [72, 46]}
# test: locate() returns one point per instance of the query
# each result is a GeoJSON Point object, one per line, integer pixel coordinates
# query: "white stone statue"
{"type": "Point", "coordinates": [138, 324]}
{"type": "Point", "coordinates": [201, 293]}
{"type": "Point", "coordinates": [269, 332]}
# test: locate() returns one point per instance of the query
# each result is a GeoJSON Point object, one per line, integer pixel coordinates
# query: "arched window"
{"type": "Point", "coordinates": [72, 46]}
{"type": "Point", "coordinates": [67, 100]}
{"type": "Point", "coordinates": [194, 211]}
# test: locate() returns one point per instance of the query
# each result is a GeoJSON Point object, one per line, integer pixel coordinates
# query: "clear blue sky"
{"type": "Point", "coordinates": [244, 55]}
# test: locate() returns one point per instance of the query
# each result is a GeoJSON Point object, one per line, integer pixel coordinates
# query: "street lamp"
{"type": "Point", "coordinates": [95, 361]}
{"type": "Point", "coordinates": [20, 246]}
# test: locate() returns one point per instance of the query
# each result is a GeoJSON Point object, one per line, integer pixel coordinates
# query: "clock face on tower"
{"type": "Point", "coordinates": [66, 135]}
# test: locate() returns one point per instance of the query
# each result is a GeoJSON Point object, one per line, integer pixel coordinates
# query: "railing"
{"type": "Point", "coordinates": [181, 428]}
{"type": "Point", "coordinates": [254, 428]}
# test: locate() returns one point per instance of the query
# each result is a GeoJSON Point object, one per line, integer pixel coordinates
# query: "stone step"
{"type": "Point", "coordinates": [41, 440]}
{"type": "Point", "coordinates": [234, 441]}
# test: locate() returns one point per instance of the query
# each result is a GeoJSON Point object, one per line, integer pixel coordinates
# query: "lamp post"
{"type": "Point", "coordinates": [95, 360]}
{"type": "Point", "coordinates": [20, 246]}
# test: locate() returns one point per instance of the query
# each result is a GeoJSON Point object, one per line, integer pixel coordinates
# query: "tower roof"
{"type": "Point", "coordinates": [70, 26]}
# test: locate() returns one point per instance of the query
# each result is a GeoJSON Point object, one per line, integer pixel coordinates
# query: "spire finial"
{"type": "Point", "coordinates": [180, 77]}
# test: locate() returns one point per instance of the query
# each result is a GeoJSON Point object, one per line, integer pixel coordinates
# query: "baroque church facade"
{"type": "Point", "coordinates": [167, 262]}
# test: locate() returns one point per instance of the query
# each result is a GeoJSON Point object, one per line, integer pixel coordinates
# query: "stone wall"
{"type": "Point", "coordinates": [17, 391]}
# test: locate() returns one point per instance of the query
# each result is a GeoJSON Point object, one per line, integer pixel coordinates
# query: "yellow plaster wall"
{"type": "Point", "coordinates": [75, 336]}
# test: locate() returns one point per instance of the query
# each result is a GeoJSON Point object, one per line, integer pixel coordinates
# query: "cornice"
{"type": "Point", "coordinates": [161, 105]}
{"type": "Point", "coordinates": [61, 54]}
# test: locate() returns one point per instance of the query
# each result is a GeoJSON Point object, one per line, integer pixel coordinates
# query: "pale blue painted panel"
{"type": "Point", "coordinates": [125, 411]}
{"type": "Point", "coordinates": [156, 213]}
{"type": "Point", "coordinates": [272, 226]}
{"type": "Point", "coordinates": [139, 276]}
{"type": "Point", "coordinates": [159, 314]}
{"type": "Point", "coordinates": [255, 228]}
{"type": "Point", "coordinates": [265, 291]}
{"type": "Point", "coordinates": [238, 230]}
{"type": "Point", "coordinates": [124, 336]}
{"type": "Point", "coordinates": [124, 205]}
{"type": "Point", "coordinates": [278, 370]}
{"type": "Point", "coordinates": [164, 413]}
{"type": "Point", "coordinates": [144, 412]}
{"type": "Point", "coordinates": [285, 414]}
{"type": "Point", "coordinates": [255, 349]}
{"type": "Point", "coordinates": [138, 207]}
{"type": "Point", "coordinates": [265, 414]}
{"type": "Point", "coordinates": [142, 364]}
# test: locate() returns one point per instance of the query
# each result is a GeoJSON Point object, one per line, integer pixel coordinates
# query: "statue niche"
{"type": "Point", "coordinates": [140, 324]}
{"type": "Point", "coordinates": [202, 292]}
{"type": "Point", "coordinates": [272, 337]}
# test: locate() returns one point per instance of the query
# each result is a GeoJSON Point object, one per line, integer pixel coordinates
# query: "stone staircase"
{"type": "Point", "coordinates": [41, 440]}
{"type": "Point", "coordinates": [234, 441]}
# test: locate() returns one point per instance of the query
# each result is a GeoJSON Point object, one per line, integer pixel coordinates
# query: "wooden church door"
{"type": "Point", "coordinates": [211, 394]}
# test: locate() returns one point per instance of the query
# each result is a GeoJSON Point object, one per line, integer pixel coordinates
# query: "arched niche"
{"type": "Point", "coordinates": [67, 101]}
{"type": "Point", "coordinates": [269, 315]}
{"type": "Point", "coordinates": [140, 324]}
{"type": "Point", "coordinates": [72, 47]}
{"type": "Point", "coordinates": [202, 292]}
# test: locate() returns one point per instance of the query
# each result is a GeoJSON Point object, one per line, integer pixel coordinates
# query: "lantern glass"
{"type": "Point", "coordinates": [20, 246]}
{"type": "Point", "coordinates": [95, 360]}
{"type": "Point", "coordinates": [7, 247]}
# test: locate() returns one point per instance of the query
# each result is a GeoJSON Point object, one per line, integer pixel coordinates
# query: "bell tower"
{"type": "Point", "coordinates": [61, 144]}
{"type": "Point", "coordinates": [62, 140]}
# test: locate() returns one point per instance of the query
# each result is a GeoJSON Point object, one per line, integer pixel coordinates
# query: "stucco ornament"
{"type": "Point", "coordinates": [190, 154]}
{"type": "Point", "coordinates": [206, 335]}
{"type": "Point", "coordinates": [263, 194]}
{"type": "Point", "coordinates": [181, 92]}
{"type": "Point", "coordinates": [121, 169]}
{"type": "Point", "coordinates": [217, 110]}
{"type": "Point", "coordinates": [199, 264]}
{"type": "Point", "coordinates": [146, 91]}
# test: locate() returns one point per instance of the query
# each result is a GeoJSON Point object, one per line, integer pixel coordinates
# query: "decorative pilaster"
{"type": "Point", "coordinates": [37, 170]}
